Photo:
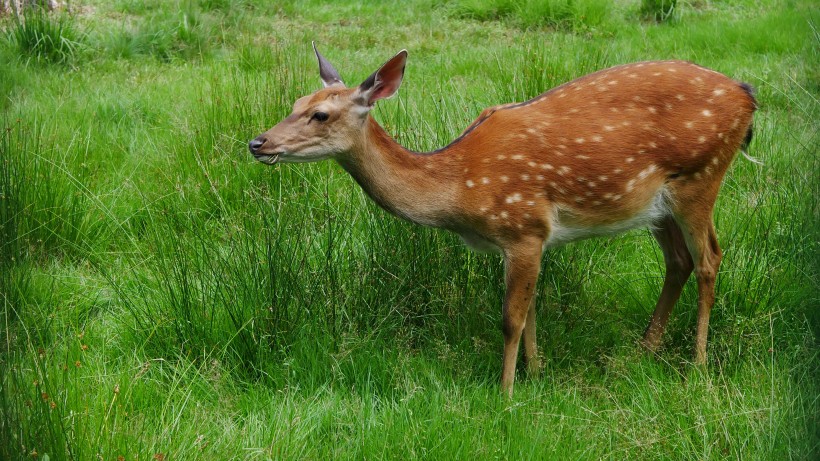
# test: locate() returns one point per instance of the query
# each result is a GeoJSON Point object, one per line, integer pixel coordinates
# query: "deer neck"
{"type": "Point", "coordinates": [415, 186]}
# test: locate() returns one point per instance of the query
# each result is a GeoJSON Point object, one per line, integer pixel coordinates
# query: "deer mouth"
{"type": "Point", "coordinates": [268, 159]}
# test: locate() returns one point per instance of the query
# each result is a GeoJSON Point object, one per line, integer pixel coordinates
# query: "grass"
{"type": "Point", "coordinates": [166, 297]}
{"type": "Point", "coordinates": [45, 37]}
{"type": "Point", "coordinates": [561, 14]}
{"type": "Point", "coordinates": [658, 10]}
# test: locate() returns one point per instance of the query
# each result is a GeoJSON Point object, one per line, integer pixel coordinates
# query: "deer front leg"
{"type": "Point", "coordinates": [522, 263]}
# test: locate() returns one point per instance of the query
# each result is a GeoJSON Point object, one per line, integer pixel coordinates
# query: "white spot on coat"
{"type": "Point", "coordinates": [647, 171]}
{"type": "Point", "coordinates": [516, 197]}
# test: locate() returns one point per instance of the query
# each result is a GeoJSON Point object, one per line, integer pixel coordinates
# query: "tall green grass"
{"type": "Point", "coordinates": [659, 10]}
{"type": "Point", "coordinates": [163, 35]}
{"type": "Point", "coordinates": [45, 37]}
{"type": "Point", "coordinates": [153, 277]}
{"type": "Point", "coordinates": [565, 14]}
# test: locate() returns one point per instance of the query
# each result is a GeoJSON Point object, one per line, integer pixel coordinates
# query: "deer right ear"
{"type": "Point", "coordinates": [326, 71]}
{"type": "Point", "coordinates": [384, 82]}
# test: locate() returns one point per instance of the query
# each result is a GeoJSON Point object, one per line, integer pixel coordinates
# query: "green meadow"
{"type": "Point", "coordinates": [165, 296]}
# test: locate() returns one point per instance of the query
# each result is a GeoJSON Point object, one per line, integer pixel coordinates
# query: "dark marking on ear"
{"type": "Point", "coordinates": [369, 82]}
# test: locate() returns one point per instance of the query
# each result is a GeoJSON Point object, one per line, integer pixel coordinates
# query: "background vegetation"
{"type": "Point", "coordinates": [165, 297]}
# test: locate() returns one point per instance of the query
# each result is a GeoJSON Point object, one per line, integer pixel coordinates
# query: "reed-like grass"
{"type": "Point", "coordinates": [45, 37]}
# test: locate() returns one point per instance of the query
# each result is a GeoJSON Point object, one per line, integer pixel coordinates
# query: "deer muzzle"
{"type": "Point", "coordinates": [256, 147]}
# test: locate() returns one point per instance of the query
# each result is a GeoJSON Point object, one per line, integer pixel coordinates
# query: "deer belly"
{"type": "Point", "coordinates": [565, 229]}
{"type": "Point", "coordinates": [478, 243]}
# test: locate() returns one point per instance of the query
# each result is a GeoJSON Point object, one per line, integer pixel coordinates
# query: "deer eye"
{"type": "Point", "coordinates": [320, 116]}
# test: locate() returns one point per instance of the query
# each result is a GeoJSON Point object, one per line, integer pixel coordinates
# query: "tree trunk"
{"type": "Point", "coordinates": [18, 6]}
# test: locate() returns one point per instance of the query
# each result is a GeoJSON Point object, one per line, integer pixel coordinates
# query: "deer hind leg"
{"type": "Point", "coordinates": [530, 347]}
{"type": "Point", "coordinates": [701, 239]}
{"type": "Point", "coordinates": [679, 267]}
{"type": "Point", "coordinates": [522, 262]}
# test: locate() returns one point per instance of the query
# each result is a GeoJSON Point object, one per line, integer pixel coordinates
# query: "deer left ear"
{"type": "Point", "coordinates": [384, 82]}
{"type": "Point", "coordinates": [327, 72]}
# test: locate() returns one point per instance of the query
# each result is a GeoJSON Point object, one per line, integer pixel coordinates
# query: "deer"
{"type": "Point", "coordinates": [640, 145]}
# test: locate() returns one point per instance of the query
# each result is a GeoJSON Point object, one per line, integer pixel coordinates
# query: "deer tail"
{"type": "Point", "coordinates": [744, 147]}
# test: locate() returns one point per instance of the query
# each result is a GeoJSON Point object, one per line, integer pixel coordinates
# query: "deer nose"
{"type": "Point", "coordinates": [256, 143]}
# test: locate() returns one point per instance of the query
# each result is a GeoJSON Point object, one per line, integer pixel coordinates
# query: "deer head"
{"type": "Point", "coordinates": [330, 121]}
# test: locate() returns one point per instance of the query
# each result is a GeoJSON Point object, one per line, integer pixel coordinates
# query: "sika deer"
{"type": "Point", "coordinates": [638, 145]}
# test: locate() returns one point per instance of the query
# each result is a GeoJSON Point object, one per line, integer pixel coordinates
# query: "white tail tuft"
{"type": "Point", "coordinates": [750, 158]}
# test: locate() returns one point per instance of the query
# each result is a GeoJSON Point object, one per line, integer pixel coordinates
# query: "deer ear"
{"type": "Point", "coordinates": [326, 71]}
{"type": "Point", "coordinates": [384, 82]}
